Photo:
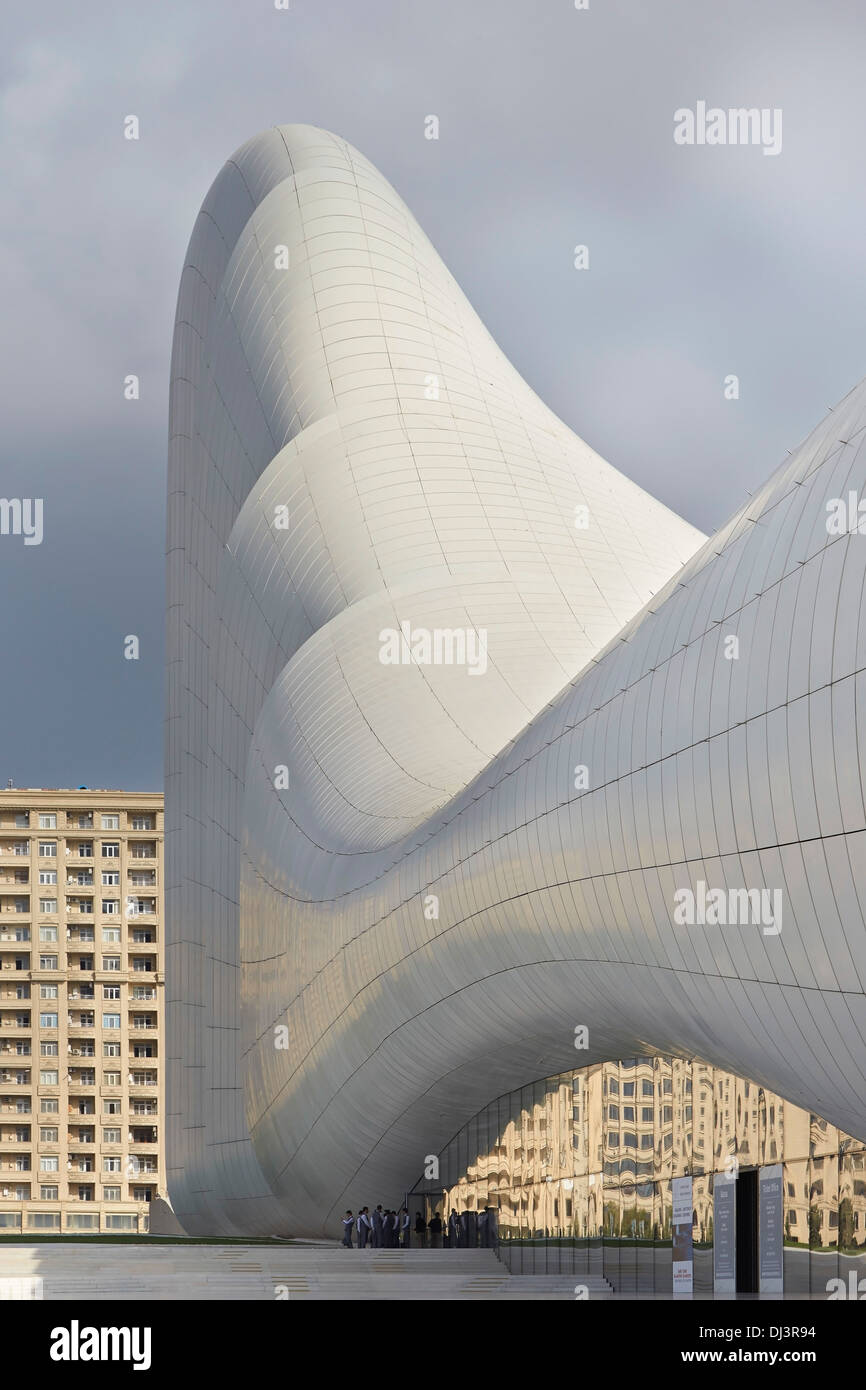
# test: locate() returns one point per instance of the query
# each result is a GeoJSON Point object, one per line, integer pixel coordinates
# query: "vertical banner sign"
{"type": "Point", "coordinates": [683, 1259]}
{"type": "Point", "coordinates": [724, 1233]}
{"type": "Point", "coordinates": [770, 1229]}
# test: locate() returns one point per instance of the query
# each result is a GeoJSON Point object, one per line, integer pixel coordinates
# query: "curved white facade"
{"type": "Point", "coordinates": [351, 456]}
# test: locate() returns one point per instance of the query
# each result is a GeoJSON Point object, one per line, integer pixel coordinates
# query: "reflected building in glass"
{"type": "Point", "coordinates": [579, 1169]}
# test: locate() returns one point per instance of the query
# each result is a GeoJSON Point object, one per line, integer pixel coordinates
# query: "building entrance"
{"type": "Point", "coordinates": [747, 1231]}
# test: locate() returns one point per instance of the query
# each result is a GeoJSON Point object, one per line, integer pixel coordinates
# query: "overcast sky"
{"type": "Point", "coordinates": [556, 129]}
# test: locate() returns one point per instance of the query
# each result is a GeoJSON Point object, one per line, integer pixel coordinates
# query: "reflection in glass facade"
{"type": "Point", "coordinates": [579, 1169]}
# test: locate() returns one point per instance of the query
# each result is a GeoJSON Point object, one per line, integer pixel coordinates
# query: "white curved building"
{"type": "Point", "coordinates": [454, 715]}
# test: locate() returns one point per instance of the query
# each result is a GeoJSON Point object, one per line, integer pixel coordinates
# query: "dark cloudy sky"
{"type": "Point", "coordinates": [556, 128]}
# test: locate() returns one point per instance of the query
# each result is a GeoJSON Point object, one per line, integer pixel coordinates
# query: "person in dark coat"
{"type": "Point", "coordinates": [378, 1218]}
{"type": "Point", "coordinates": [453, 1229]}
{"type": "Point", "coordinates": [435, 1231]}
{"type": "Point", "coordinates": [420, 1230]}
{"type": "Point", "coordinates": [348, 1223]}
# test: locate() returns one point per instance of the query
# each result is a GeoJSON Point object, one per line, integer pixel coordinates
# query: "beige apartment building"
{"type": "Point", "coordinates": [81, 1010]}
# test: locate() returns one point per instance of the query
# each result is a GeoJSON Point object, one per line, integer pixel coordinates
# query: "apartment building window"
{"type": "Point", "coordinates": [44, 1220]}
{"type": "Point", "coordinates": [112, 1078]}
{"type": "Point", "coordinates": [22, 962]}
{"type": "Point", "coordinates": [111, 1020]}
{"type": "Point", "coordinates": [142, 1050]}
{"type": "Point", "coordinates": [22, 991]}
{"type": "Point", "coordinates": [22, 847]}
{"type": "Point", "coordinates": [22, 1049]}
{"type": "Point", "coordinates": [112, 1107]}
{"type": "Point", "coordinates": [85, 1194]}
{"type": "Point", "coordinates": [111, 1136]}
{"type": "Point", "coordinates": [49, 1049]}
{"type": "Point", "coordinates": [47, 876]}
{"type": "Point", "coordinates": [48, 1194]}
{"type": "Point", "coordinates": [142, 823]}
{"type": "Point", "coordinates": [47, 820]}
{"type": "Point", "coordinates": [137, 906]}
{"type": "Point", "coordinates": [49, 1105]}
{"type": "Point", "coordinates": [141, 1194]}
{"type": "Point", "coordinates": [142, 938]}
{"type": "Point", "coordinates": [22, 1163]}
{"type": "Point", "coordinates": [111, 936]}
{"type": "Point", "coordinates": [110, 878]}
{"type": "Point", "coordinates": [47, 849]}
{"type": "Point", "coordinates": [48, 1020]}
{"type": "Point", "coordinates": [22, 820]}
{"type": "Point", "coordinates": [111, 1049]}
{"type": "Point", "coordinates": [49, 1163]}
{"type": "Point", "coordinates": [111, 962]}
{"type": "Point", "coordinates": [22, 933]}
{"type": "Point", "coordinates": [111, 991]}
{"type": "Point", "coordinates": [646, 1141]}
{"type": "Point", "coordinates": [47, 962]}
{"type": "Point", "coordinates": [85, 962]}
{"type": "Point", "coordinates": [111, 907]}
{"type": "Point", "coordinates": [142, 964]}
{"type": "Point", "coordinates": [646, 1115]}
{"type": "Point", "coordinates": [111, 849]}
{"type": "Point", "coordinates": [83, 878]}
{"type": "Point", "coordinates": [48, 991]}
{"type": "Point", "coordinates": [47, 933]}
{"type": "Point", "coordinates": [112, 1165]}
{"type": "Point", "coordinates": [48, 1078]}
{"type": "Point", "coordinates": [142, 878]}
{"type": "Point", "coordinates": [85, 934]}
{"type": "Point", "coordinates": [110, 822]}
{"type": "Point", "coordinates": [143, 850]}
{"type": "Point", "coordinates": [111, 1194]}
{"type": "Point", "coordinates": [84, 820]}
{"type": "Point", "coordinates": [48, 1134]}
{"type": "Point", "coordinates": [85, 849]}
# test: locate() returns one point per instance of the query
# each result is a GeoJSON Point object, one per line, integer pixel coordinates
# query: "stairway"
{"type": "Point", "coordinates": [280, 1272]}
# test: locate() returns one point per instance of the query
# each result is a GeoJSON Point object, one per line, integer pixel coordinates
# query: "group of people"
{"type": "Point", "coordinates": [390, 1230]}
{"type": "Point", "coordinates": [384, 1230]}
